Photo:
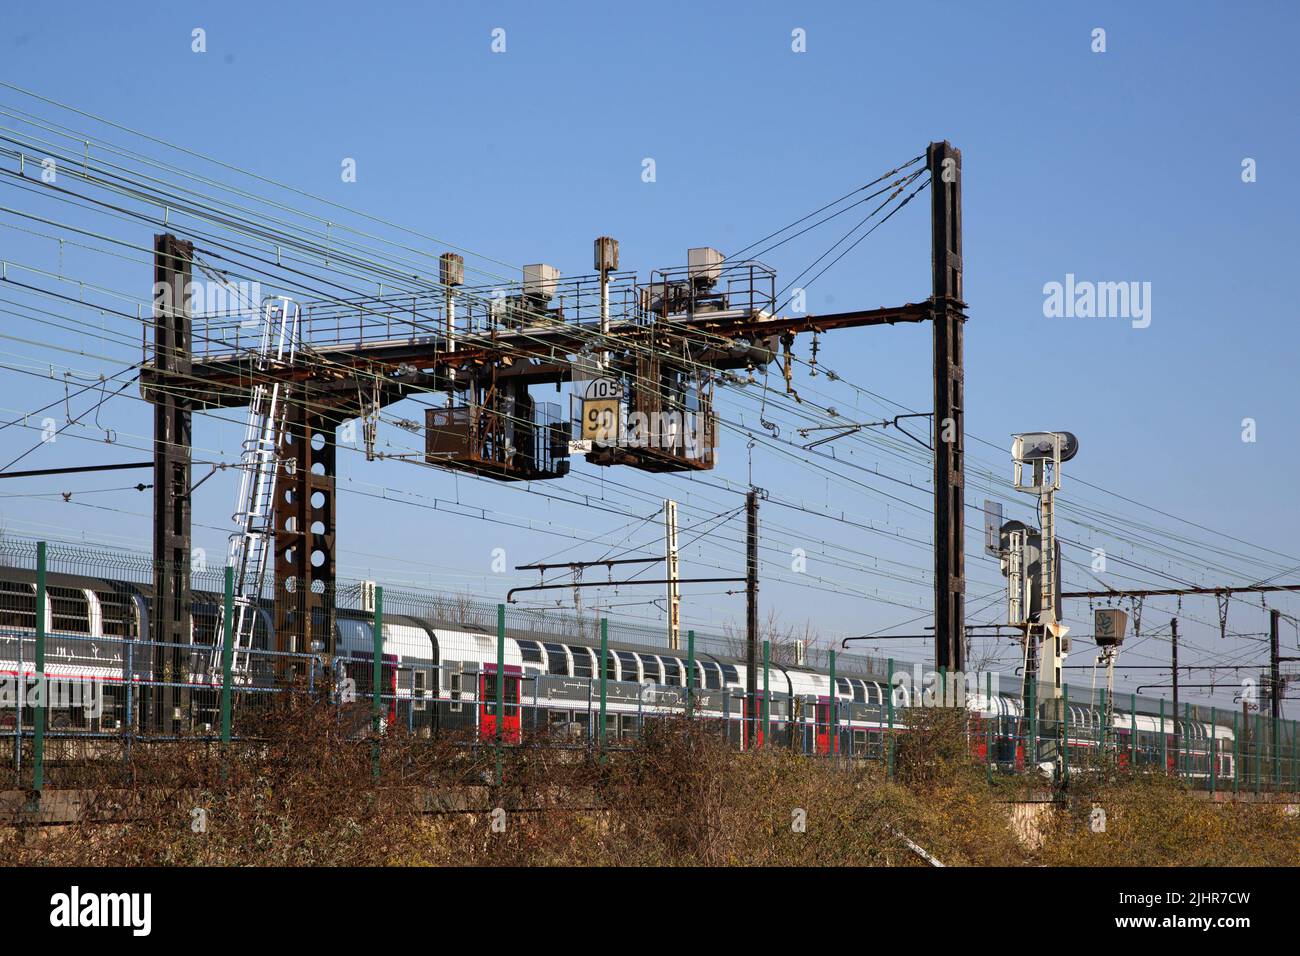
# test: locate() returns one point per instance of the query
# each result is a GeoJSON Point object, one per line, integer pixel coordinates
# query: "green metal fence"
{"type": "Point", "coordinates": [87, 684]}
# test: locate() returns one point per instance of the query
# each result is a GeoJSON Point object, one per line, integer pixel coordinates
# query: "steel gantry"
{"type": "Point", "coordinates": [382, 349]}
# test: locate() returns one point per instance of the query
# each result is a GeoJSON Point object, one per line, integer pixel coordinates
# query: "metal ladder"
{"type": "Point", "coordinates": [259, 463]}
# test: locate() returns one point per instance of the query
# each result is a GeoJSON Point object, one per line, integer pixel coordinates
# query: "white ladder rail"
{"type": "Point", "coordinates": [260, 462]}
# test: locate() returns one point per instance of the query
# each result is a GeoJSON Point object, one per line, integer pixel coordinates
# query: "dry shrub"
{"type": "Point", "coordinates": [304, 794]}
{"type": "Point", "coordinates": [1153, 820]}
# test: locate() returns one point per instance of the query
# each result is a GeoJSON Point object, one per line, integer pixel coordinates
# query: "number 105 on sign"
{"type": "Point", "coordinates": [600, 419]}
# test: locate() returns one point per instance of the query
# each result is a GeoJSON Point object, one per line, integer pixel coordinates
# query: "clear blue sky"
{"type": "Point", "coordinates": [1123, 165]}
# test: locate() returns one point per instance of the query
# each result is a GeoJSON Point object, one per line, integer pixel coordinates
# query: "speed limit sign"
{"type": "Point", "coordinates": [600, 419]}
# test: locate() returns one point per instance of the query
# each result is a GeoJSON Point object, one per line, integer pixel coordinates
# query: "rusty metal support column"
{"type": "Point", "coordinates": [949, 491]}
{"type": "Point", "coordinates": [304, 515]}
{"type": "Point", "coordinates": [750, 726]}
{"type": "Point", "coordinates": [170, 616]}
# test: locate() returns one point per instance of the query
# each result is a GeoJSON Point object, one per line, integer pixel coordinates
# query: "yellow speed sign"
{"type": "Point", "coordinates": [600, 419]}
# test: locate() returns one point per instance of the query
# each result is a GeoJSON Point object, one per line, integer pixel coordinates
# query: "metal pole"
{"type": "Point", "coordinates": [767, 660]}
{"type": "Point", "coordinates": [1065, 733]}
{"type": "Point", "coordinates": [1214, 753]}
{"type": "Point", "coordinates": [1133, 731]}
{"type": "Point", "coordinates": [1178, 743]}
{"type": "Point", "coordinates": [18, 714]}
{"type": "Point", "coordinates": [1031, 745]}
{"type": "Point", "coordinates": [1274, 745]}
{"type": "Point", "coordinates": [1259, 719]}
{"type": "Point", "coordinates": [751, 612]}
{"type": "Point", "coordinates": [38, 738]}
{"type": "Point", "coordinates": [690, 674]}
{"type": "Point", "coordinates": [1164, 741]}
{"type": "Point", "coordinates": [129, 677]}
{"type": "Point", "coordinates": [1274, 674]}
{"type": "Point", "coordinates": [1236, 755]}
{"type": "Point", "coordinates": [1103, 729]}
{"type": "Point", "coordinates": [671, 573]}
{"type": "Point", "coordinates": [988, 741]}
{"type": "Point", "coordinates": [501, 682]}
{"type": "Point", "coordinates": [1295, 777]}
{"type": "Point", "coordinates": [227, 652]}
{"type": "Point", "coordinates": [889, 745]}
{"type": "Point", "coordinates": [833, 713]}
{"type": "Point", "coordinates": [949, 519]}
{"type": "Point", "coordinates": [604, 669]}
{"type": "Point", "coordinates": [376, 679]}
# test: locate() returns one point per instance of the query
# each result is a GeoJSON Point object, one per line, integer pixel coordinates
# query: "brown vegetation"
{"type": "Point", "coordinates": [306, 795]}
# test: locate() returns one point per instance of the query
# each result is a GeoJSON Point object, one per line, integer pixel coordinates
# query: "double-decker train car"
{"type": "Point", "coordinates": [443, 675]}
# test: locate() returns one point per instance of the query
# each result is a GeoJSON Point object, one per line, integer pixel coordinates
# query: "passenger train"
{"type": "Point", "coordinates": [441, 675]}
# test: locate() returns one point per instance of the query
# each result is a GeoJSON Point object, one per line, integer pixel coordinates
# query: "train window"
{"type": "Point", "coordinates": [530, 651]}
{"type": "Point", "coordinates": [842, 687]}
{"type": "Point", "coordinates": [118, 612]}
{"type": "Point", "coordinates": [69, 610]}
{"type": "Point", "coordinates": [583, 665]}
{"type": "Point", "coordinates": [17, 605]}
{"type": "Point", "coordinates": [611, 666]}
{"type": "Point", "coordinates": [509, 693]}
{"type": "Point", "coordinates": [859, 692]}
{"type": "Point", "coordinates": [557, 660]}
{"type": "Point", "coordinates": [712, 675]}
{"type": "Point", "coordinates": [419, 685]}
{"type": "Point", "coordinates": [672, 671]}
{"type": "Point", "coordinates": [729, 673]}
{"type": "Point", "coordinates": [628, 662]}
{"type": "Point", "coordinates": [651, 668]}
{"type": "Point", "coordinates": [455, 685]}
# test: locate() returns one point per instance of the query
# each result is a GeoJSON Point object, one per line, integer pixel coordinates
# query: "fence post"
{"type": "Point", "coordinates": [501, 683]}
{"type": "Point", "coordinates": [38, 730]}
{"type": "Point", "coordinates": [1133, 731]}
{"type": "Point", "coordinates": [1187, 724]}
{"type": "Point", "coordinates": [988, 741]}
{"type": "Point", "coordinates": [1273, 749]}
{"type": "Point", "coordinates": [889, 745]}
{"type": "Point", "coordinates": [1103, 730]}
{"type": "Point", "coordinates": [1031, 745]}
{"type": "Point", "coordinates": [1236, 755]}
{"type": "Point", "coordinates": [1164, 741]}
{"type": "Point", "coordinates": [1259, 719]}
{"type": "Point", "coordinates": [227, 653]}
{"type": "Point", "coordinates": [767, 661]}
{"type": "Point", "coordinates": [376, 680]}
{"type": "Point", "coordinates": [129, 678]}
{"type": "Point", "coordinates": [1065, 734]}
{"type": "Point", "coordinates": [690, 674]}
{"type": "Point", "coordinates": [604, 671]}
{"type": "Point", "coordinates": [1295, 778]}
{"type": "Point", "coordinates": [833, 715]}
{"type": "Point", "coordinates": [1214, 748]}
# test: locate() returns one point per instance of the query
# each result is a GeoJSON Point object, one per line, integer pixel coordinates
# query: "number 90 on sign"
{"type": "Point", "coordinates": [600, 419]}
